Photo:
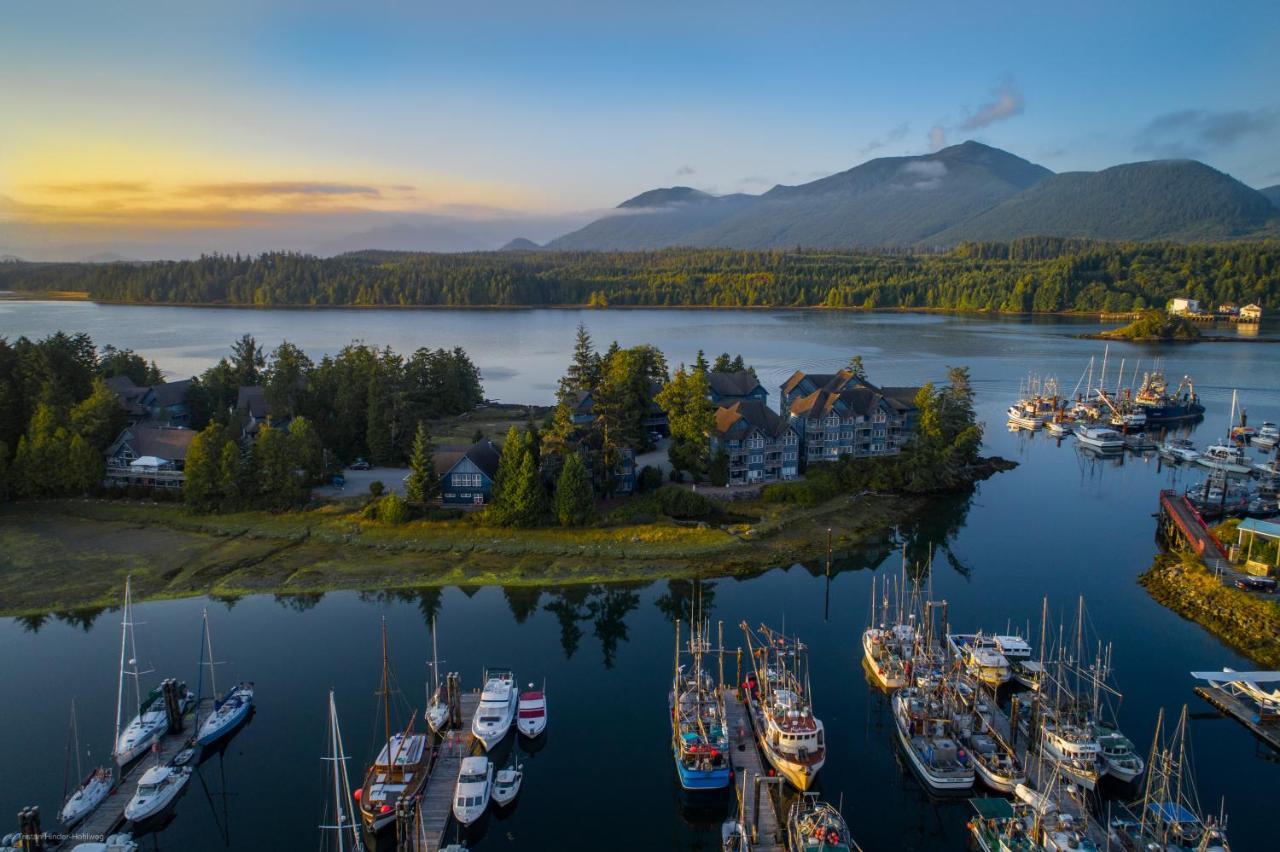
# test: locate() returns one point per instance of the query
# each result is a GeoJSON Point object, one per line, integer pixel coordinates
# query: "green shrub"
{"type": "Point", "coordinates": [684, 504]}
{"type": "Point", "coordinates": [650, 479]}
{"type": "Point", "coordinates": [393, 510]}
{"type": "Point", "coordinates": [376, 488]}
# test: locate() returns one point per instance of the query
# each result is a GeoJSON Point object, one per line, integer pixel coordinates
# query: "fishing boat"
{"type": "Point", "coordinates": [151, 718]}
{"type": "Point", "coordinates": [230, 709]}
{"type": "Point", "coordinates": [531, 712]}
{"type": "Point", "coordinates": [400, 769]}
{"type": "Point", "coordinates": [1100, 438]}
{"type": "Point", "coordinates": [437, 712]}
{"type": "Point", "coordinates": [997, 827]}
{"type": "Point", "coordinates": [884, 645]}
{"type": "Point", "coordinates": [1020, 417]}
{"type": "Point", "coordinates": [994, 760]}
{"type": "Point", "coordinates": [1163, 407]}
{"type": "Point", "coordinates": [981, 657]}
{"type": "Point", "coordinates": [1179, 450]}
{"type": "Point", "coordinates": [1226, 458]}
{"type": "Point", "coordinates": [780, 701]}
{"type": "Point", "coordinates": [699, 735]}
{"type": "Point", "coordinates": [926, 730]}
{"type": "Point", "coordinates": [157, 789]}
{"type": "Point", "coordinates": [813, 825]}
{"type": "Point", "coordinates": [1119, 759]}
{"type": "Point", "coordinates": [1029, 673]}
{"type": "Point", "coordinates": [122, 842]}
{"type": "Point", "coordinates": [506, 785]}
{"type": "Point", "coordinates": [94, 787]}
{"type": "Point", "coordinates": [474, 787]}
{"type": "Point", "coordinates": [344, 826]}
{"type": "Point", "coordinates": [1062, 834]}
{"type": "Point", "coordinates": [1168, 816]}
{"type": "Point", "coordinates": [497, 707]}
{"type": "Point", "coordinates": [1059, 427]}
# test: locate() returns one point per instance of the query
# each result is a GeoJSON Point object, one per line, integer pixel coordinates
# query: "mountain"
{"type": "Point", "coordinates": [1272, 193]}
{"type": "Point", "coordinates": [521, 244]}
{"type": "Point", "coordinates": [965, 192]}
{"type": "Point", "coordinates": [107, 257]}
{"type": "Point", "coordinates": [1156, 200]}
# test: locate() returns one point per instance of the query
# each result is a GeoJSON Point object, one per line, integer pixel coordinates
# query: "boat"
{"type": "Point", "coordinates": [1062, 834]}
{"type": "Point", "coordinates": [122, 842]}
{"type": "Point", "coordinates": [1119, 759]}
{"type": "Point", "coordinates": [344, 826]}
{"type": "Point", "coordinates": [437, 712]}
{"type": "Point", "coordinates": [885, 647]}
{"type": "Point", "coordinates": [1129, 421]}
{"type": "Point", "coordinates": [93, 787]}
{"type": "Point", "coordinates": [926, 730]}
{"type": "Point", "coordinates": [1179, 450]}
{"type": "Point", "coordinates": [1267, 437]}
{"type": "Point", "coordinates": [1059, 428]}
{"type": "Point", "coordinates": [183, 757]}
{"type": "Point", "coordinates": [151, 718]}
{"type": "Point", "coordinates": [471, 794]}
{"type": "Point", "coordinates": [230, 709]}
{"type": "Point", "coordinates": [497, 708]}
{"type": "Point", "coordinates": [734, 836]}
{"type": "Point", "coordinates": [1029, 673]}
{"type": "Point", "coordinates": [531, 712]}
{"type": "Point", "coordinates": [1100, 438]}
{"type": "Point", "coordinates": [1168, 816]}
{"type": "Point", "coordinates": [157, 789]}
{"type": "Point", "coordinates": [1020, 417]}
{"type": "Point", "coordinates": [506, 785]}
{"type": "Point", "coordinates": [981, 657]}
{"type": "Point", "coordinates": [1162, 407]}
{"type": "Point", "coordinates": [400, 769]}
{"type": "Point", "coordinates": [997, 827]}
{"type": "Point", "coordinates": [1226, 458]}
{"type": "Point", "coordinates": [699, 735]}
{"type": "Point", "coordinates": [779, 699]}
{"type": "Point", "coordinates": [994, 763]}
{"type": "Point", "coordinates": [814, 825]}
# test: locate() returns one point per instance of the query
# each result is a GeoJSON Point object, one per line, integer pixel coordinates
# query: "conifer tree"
{"type": "Point", "coordinates": [423, 484]}
{"type": "Point", "coordinates": [84, 466]}
{"type": "Point", "coordinates": [574, 498]}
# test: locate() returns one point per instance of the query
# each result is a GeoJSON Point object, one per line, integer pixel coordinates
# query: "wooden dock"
{"type": "Point", "coordinates": [435, 811]}
{"type": "Point", "coordinates": [1244, 712]}
{"type": "Point", "coordinates": [108, 817]}
{"type": "Point", "coordinates": [1179, 519]}
{"type": "Point", "coordinates": [760, 804]}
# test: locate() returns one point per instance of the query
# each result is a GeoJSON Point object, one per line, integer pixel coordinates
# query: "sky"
{"type": "Point", "coordinates": [167, 129]}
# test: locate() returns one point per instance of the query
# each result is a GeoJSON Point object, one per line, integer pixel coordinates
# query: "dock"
{"type": "Point", "coordinates": [760, 806]}
{"type": "Point", "coordinates": [1180, 521]}
{"type": "Point", "coordinates": [1244, 712]}
{"type": "Point", "coordinates": [108, 817]}
{"type": "Point", "coordinates": [435, 810]}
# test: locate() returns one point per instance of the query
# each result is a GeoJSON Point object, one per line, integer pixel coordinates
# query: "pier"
{"type": "Point", "coordinates": [760, 806]}
{"type": "Point", "coordinates": [108, 817]}
{"type": "Point", "coordinates": [1243, 711]}
{"type": "Point", "coordinates": [435, 810]}
{"type": "Point", "coordinates": [1180, 522]}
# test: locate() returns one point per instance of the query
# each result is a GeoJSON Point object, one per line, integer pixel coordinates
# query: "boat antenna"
{"type": "Point", "coordinates": [386, 684]}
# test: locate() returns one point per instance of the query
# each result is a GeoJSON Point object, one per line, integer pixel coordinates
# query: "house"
{"type": "Point", "coordinates": [253, 410]}
{"type": "Point", "coordinates": [466, 473]}
{"type": "Point", "coordinates": [1184, 307]}
{"type": "Point", "coordinates": [1251, 313]}
{"type": "Point", "coordinates": [761, 445]}
{"type": "Point", "coordinates": [850, 417]}
{"type": "Point", "coordinates": [739, 385]}
{"type": "Point", "coordinates": [149, 454]}
{"type": "Point", "coordinates": [655, 419]}
{"type": "Point", "coordinates": [164, 403]}
{"type": "Point", "coordinates": [133, 399]}
{"type": "Point", "coordinates": [802, 384]}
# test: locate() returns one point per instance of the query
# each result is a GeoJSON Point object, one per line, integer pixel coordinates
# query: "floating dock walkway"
{"type": "Point", "coordinates": [435, 810]}
{"type": "Point", "coordinates": [1244, 712]}
{"type": "Point", "coordinates": [761, 803]}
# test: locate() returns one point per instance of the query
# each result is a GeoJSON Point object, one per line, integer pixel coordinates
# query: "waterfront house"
{"type": "Point", "coordinates": [655, 419]}
{"type": "Point", "coordinates": [149, 454]}
{"type": "Point", "coordinates": [1251, 313]}
{"type": "Point", "coordinates": [736, 386]}
{"type": "Point", "coordinates": [253, 410]}
{"type": "Point", "coordinates": [133, 398]}
{"type": "Point", "coordinates": [164, 403]}
{"type": "Point", "coordinates": [466, 473]}
{"type": "Point", "coordinates": [846, 416]}
{"type": "Point", "coordinates": [1184, 307]}
{"type": "Point", "coordinates": [761, 445]}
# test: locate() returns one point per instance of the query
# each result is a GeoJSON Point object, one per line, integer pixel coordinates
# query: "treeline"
{"type": "Point", "coordinates": [1032, 274]}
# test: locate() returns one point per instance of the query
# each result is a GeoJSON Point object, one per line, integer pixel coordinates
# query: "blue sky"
{"type": "Point", "coordinates": [574, 106]}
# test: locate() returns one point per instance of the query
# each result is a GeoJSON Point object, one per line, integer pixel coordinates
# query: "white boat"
{"type": "Point", "coordinates": [885, 646]}
{"type": "Point", "coordinates": [1075, 748]}
{"type": "Point", "coordinates": [981, 657]}
{"type": "Point", "coordinates": [1226, 458]}
{"type": "Point", "coordinates": [779, 700]}
{"type": "Point", "coordinates": [1268, 436]}
{"type": "Point", "coordinates": [497, 708]}
{"type": "Point", "coordinates": [1100, 438]}
{"type": "Point", "coordinates": [996, 766]}
{"type": "Point", "coordinates": [1180, 450]}
{"type": "Point", "coordinates": [93, 788]}
{"type": "Point", "coordinates": [437, 712]}
{"type": "Point", "coordinates": [1030, 674]}
{"type": "Point", "coordinates": [1119, 760]}
{"type": "Point", "coordinates": [157, 789]}
{"type": "Point", "coordinates": [471, 794]}
{"type": "Point", "coordinates": [1058, 428]}
{"type": "Point", "coordinates": [1023, 419]}
{"type": "Point", "coordinates": [531, 712]}
{"type": "Point", "coordinates": [925, 733]}
{"type": "Point", "coordinates": [1129, 420]}
{"type": "Point", "coordinates": [229, 710]}
{"type": "Point", "coordinates": [506, 785]}
{"type": "Point", "coordinates": [122, 842]}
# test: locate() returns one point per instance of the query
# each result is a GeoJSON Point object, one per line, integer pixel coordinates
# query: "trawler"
{"type": "Point", "coordinates": [699, 737]}
{"type": "Point", "coordinates": [1162, 407]}
{"type": "Point", "coordinates": [815, 826]}
{"type": "Point", "coordinates": [994, 760]}
{"type": "Point", "coordinates": [885, 647]}
{"type": "Point", "coordinates": [981, 657]}
{"type": "Point", "coordinates": [780, 702]}
{"type": "Point", "coordinates": [997, 827]}
{"type": "Point", "coordinates": [926, 728]}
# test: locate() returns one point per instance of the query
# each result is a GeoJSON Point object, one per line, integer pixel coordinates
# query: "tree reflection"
{"type": "Point", "coordinates": [82, 618]}
{"type": "Point", "coordinates": [680, 596]}
{"type": "Point", "coordinates": [610, 610]}
{"type": "Point", "coordinates": [928, 533]}
{"type": "Point", "coordinates": [569, 608]}
{"type": "Point", "coordinates": [32, 623]}
{"type": "Point", "coordinates": [300, 601]}
{"type": "Point", "coordinates": [606, 607]}
{"type": "Point", "coordinates": [523, 601]}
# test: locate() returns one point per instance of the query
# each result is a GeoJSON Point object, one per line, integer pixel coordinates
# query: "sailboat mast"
{"type": "Point", "coordinates": [124, 633]}
{"type": "Point", "coordinates": [386, 685]}
{"type": "Point", "coordinates": [208, 642]}
{"type": "Point", "coordinates": [435, 661]}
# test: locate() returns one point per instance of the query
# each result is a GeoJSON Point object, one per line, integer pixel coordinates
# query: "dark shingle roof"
{"type": "Point", "coordinates": [737, 383]}
{"type": "Point", "coordinates": [171, 393]}
{"type": "Point", "coordinates": [483, 455]}
{"type": "Point", "coordinates": [253, 399]}
{"type": "Point", "coordinates": [148, 439]}
{"type": "Point", "coordinates": [750, 414]}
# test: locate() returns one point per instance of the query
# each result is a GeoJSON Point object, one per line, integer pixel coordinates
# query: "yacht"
{"type": "Point", "coordinates": [531, 712]}
{"type": "Point", "coordinates": [123, 842]}
{"type": "Point", "coordinates": [506, 785]}
{"type": "Point", "coordinates": [1119, 760]}
{"type": "Point", "coordinates": [475, 785]}
{"type": "Point", "coordinates": [1226, 458]}
{"type": "Point", "coordinates": [1100, 438]}
{"type": "Point", "coordinates": [1180, 450]}
{"type": "Point", "coordinates": [981, 657]}
{"type": "Point", "coordinates": [779, 700]}
{"type": "Point", "coordinates": [497, 707]}
{"type": "Point", "coordinates": [1268, 436]}
{"type": "Point", "coordinates": [926, 732]}
{"type": "Point", "coordinates": [157, 789]}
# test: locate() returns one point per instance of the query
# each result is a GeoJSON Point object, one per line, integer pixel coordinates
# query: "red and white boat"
{"type": "Point", "coordinates": [531, 712]}
{"type": "Point", "coordinates": [779, 699]}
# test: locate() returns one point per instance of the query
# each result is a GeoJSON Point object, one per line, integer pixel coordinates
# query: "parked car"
{"type": "Point", "coordinates": [1256, 584]}
{"type": "Point", "coordinates": [338, 481]}
{"type": "Point", "coordinates": [360, 464]}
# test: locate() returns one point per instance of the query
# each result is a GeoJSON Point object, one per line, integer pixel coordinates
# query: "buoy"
{"type": "Point", "coordinates": [356, 795]}
{"type": "Point", "coordinates": [386, 809]}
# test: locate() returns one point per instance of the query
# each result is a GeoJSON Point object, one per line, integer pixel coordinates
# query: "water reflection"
{"type": "Point", "coordinates": [300, 601]}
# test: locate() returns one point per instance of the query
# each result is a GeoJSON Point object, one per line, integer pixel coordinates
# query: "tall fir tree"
{"type": "Point", "coordinates": [574, 500]}
{"type": "Point", "coordinates": [423, 484]}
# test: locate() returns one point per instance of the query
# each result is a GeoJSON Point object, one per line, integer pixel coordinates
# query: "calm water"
{"type": "Point", "coordinates": [1062, 524]}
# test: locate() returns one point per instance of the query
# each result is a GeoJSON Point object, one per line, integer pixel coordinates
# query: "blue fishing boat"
{"type": "Point", "coordinates": [699, 739]}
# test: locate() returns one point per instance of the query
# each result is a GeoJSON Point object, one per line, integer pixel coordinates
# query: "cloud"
{"type": "Point", "coordinates": [937, 137]}
{"type": "Point", "coordinates": [685, 171]}
{"type": "Point", "coordinates": [1006, 102]}
{"type": "Point", "coordinates": [928, 173]}
{"type": "Point", "coordinates": [101, 187]}
{"type": "Point", "coordinates": [897, 134]}
{"type": "Point", "coordinates": [1194, 132]}
{"type": "Point", "coordinates": [277, 188]}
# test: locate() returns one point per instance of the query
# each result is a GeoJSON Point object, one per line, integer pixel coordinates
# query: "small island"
{"type": "Point", "coordinates": [1155, 325]}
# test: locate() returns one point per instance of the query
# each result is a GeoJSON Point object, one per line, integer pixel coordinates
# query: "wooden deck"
{"type": "Point", "coordinates": [435, 811]}
{"type": "Point", "coordinates": [1244, 712]}
{"type": "Point", "coordinates": [108, 817]}
{"type": "Point", "coordinates": [747, 761]}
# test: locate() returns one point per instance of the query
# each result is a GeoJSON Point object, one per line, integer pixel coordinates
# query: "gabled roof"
{"type": "Point", "coordinates": [860, 401]}
{"type": "Point", "coordinates": [152, 439]}
{"type": "Point", "coordinates": [737, 383]}
{"type": "Point", "coordinates": [483, 455]}
{"type": "Point", "coordinates": [902, 398]}
{"type": "Point", "coordinates": [171, 393]}
{"type": "Point", "coordinates": [745, 415]}
{"type": "Point", "coordinates": [821, 381]}
{"type": "Point", "coordinates": [253, 399]}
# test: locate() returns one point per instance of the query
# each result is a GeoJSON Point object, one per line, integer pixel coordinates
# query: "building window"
{"type": "Point", "coordinates": [466, 480]}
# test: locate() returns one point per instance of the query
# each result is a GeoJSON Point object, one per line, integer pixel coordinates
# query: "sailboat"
{"type": "Point", "coordinates": [400, 769]}
{"type": "Point", "coordinates": [345, 828]}
{"type": "Point", "coordinates": [228, 710]}
{"type": "Point", "coordinates": [781, 705]}
{"type": "Point", "coordinates": [151, 719]}
{"type": "Point", "coordinates": [699, 736]}
{"type": "Point", "coordinates": [437, 714]}
{"type": "Point", "coordinates": [93, 788]}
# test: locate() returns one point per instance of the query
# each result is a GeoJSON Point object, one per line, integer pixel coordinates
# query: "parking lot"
{"type": "Point", "coordinates": [392, 479]}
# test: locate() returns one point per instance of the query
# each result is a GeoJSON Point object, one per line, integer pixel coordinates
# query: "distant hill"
{"type": "Point", "coordinates": [521, 244]}
{"type": "Point", "coordinates": [964, 192]}
{"type": "Point", "coordinates": [1272, 193]}
{"type": "Point", "coordinates": [107, 257]}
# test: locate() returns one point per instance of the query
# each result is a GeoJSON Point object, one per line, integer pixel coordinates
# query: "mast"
{"type": "Point", "coordinates": [124, 634]}
{"type": "Point", "coordinates": [435, 662]}
{"type": "Point", "coordinates": [347, 832]}
{"type": "Point", "coordinates": [386, 686]}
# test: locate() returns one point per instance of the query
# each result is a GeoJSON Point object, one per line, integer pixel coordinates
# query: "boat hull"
{"type": "Point", "coordinates": [939, 783]}
{"type": "Point", "coordinates": [219, 725]}
{"type": "Point", "coordinates": [85, 800]}
{"type": "Point", "coordinates": [883, 679]}
{"type": "Point", "coordinates": [701, 779]}
{"type": "Point", "coordinates": [1000, 783]}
